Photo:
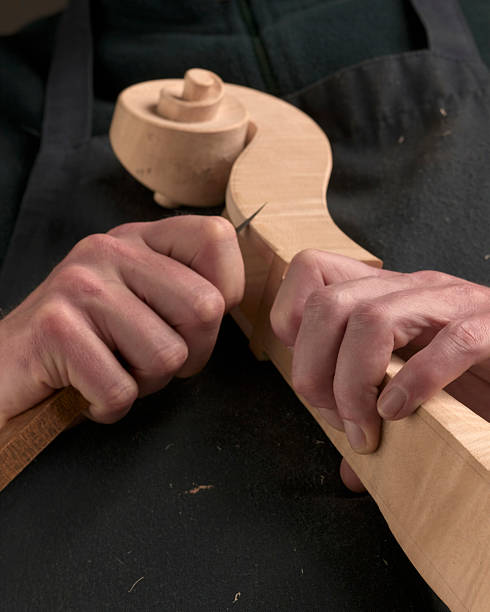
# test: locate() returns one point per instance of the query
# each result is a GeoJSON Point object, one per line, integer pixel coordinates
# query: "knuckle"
{"type": "Point", "coordinates": [429, 277]}
{"type": "Point", "coordinates": [317, 305]}
{"type": "Point", "coordinates": [466, 336]}
{"type": "Point", "coordinates": [322, 303]}
{"type": "Point", "coordinates": [434, 278]}
{"type": "Point", "coordinates": [217, 229]}
{"type": "Point", "coordinates": [308, 258]}
{"type": "Point", "coordinates": [97, 246]}
{"type": "Point", "coordinates": [303, 384]}
{"type": "Point", "coordinates": [78, 281]}
{"type": "Point", "coordinates": [121, 231]}
{"type": "Point", "coordinates": [469, 295]}
{"type": "Point", "coordinates": [368, 314]}
{"type": "Point", "coordinates": [54, 322]}
{"type": "Point", "coordinates": [208, 306]}
{"type": "Point", "coordinates": [169, 359]}
{"type": "Point", "coordinates": [310, 388]}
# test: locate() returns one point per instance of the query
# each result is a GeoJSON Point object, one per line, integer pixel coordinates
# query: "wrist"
{"type": "Point", "coordinates": [19, 389]}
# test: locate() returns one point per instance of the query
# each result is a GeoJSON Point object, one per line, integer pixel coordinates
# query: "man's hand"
{"type": "Point", "coordinates": [344, 320]}
{"type": "Point", "coordinates": [122, 314]}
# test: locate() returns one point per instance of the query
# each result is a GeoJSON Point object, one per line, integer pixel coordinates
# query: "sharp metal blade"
{"type": "Point", "coordinates": [244, 224]}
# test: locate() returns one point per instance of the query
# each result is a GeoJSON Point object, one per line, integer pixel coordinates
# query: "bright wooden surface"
{"type": "Point", "coordinates": [431, 473]}
{"type": "Point", "coordinates": [181, 149]}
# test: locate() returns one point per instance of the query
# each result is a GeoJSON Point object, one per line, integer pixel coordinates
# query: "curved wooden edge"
{"type": "Point", "coordinates": [430, 476]}
{"type": "Point", "coordinates": [287, 164]}
{"type": "Point", "coordinates": [25, 436]}
{"type": "Point", "coordinates": [187, 159]}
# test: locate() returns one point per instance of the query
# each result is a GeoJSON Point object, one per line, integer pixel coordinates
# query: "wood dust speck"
{"type": "Point", "coordinates": [199, 488]}
{"type": "Point", "coordinates": [443, 112]}
{"type": "Point", "coordinates": [486, 257]}
{"type": "Point", "coordinates": [237, 597]}
{"type": "Point", "coordinates": [401, 140]}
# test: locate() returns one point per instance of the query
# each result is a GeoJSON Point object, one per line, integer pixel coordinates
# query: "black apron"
{"type": "Point", "coordinates": [411, 149]}
{"type": "Point", "coordinates": [114, 517]}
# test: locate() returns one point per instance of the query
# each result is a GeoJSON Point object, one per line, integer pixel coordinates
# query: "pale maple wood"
{"type": "Point", "coordinates": [430, 475]}
{"type": "Point", "coordinates": [199, 100]}
{"type": "Point", "coordinates": [180, 138]}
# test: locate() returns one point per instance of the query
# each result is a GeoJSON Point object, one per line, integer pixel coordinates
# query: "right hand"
{"type": "Point", "coordinates": [122, 315]}
{"type": "Point", "coordinates": [343, 319]}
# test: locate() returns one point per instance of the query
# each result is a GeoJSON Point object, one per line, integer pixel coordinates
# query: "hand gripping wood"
{"type": "Point", "coordinates": [187, 140]}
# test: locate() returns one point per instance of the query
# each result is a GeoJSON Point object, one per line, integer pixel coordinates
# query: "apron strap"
{"type": "Point", "coordinates": [67, 125]}
{"type": "Point", "coordinates": [447, 31]}
{"type": "Point", "coordinates": [69, 84]}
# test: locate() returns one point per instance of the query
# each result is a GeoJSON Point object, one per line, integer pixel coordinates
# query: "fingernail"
{"type": "Point", "coordinates": [355, 435]}
{"type": "Point", "coordinates": [391, 402]}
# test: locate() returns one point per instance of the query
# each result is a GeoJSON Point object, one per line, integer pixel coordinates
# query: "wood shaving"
{"type": "Point", "coordinates": [199, 488]}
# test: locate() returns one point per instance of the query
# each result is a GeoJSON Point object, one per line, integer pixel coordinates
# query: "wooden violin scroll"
{"type": "Point", "coordinates": [193, 140]}
{"type": "Point", "coordinates": [180, 137]}
{"type": "Point", "coordinates": [202, 94]}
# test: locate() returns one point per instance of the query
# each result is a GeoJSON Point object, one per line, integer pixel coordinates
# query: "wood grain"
{"type": "Point", "coordinates": [26, 435]}
{"type": "Point", "coordinates": [431, 474]}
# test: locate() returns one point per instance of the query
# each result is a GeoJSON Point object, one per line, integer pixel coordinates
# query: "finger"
{"type": "Point", "coordinates": [455, 349]}
{"type": "Point", "coordinates": [311, 270]}
{"type": "Point", "coordinates": [375, 328]}
{"type": "Point", "coordinates": [180, 297]}
{"type": "Point", "coordinates": [324, 320]}
{"type": "Point", "coordinates": [350, 478]}
{"type": "Point", "coordinates": [152, 350]}
{"type": "Point", "coordinates": [185, 300]}
{"type": "Point", "coordinates": [72, 354]}
{"type": "Point", "coordinates": [208, 245]}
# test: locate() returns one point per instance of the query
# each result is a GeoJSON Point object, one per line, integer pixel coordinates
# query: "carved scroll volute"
{"type": "Point", "coordinates": [180, 138]}
{"type": "Point", "coordinates": [192, 140]}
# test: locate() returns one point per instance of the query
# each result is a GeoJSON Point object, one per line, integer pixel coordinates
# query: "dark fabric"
{"type": "Point", "coordinates": [24, 63]}
{"type": "Point", "coordinates": [145, 40]}
{"type": "Point", "coordinates": [273, 528]}
{"type": "Point", "coordinates": [409, 177]}
{"type": "Point", "coordinates": [104, 506]}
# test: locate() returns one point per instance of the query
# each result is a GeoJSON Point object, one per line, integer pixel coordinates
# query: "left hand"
{"type": "Point", "coordinates": [344, 320]}
{"type": "Point", "coordinates": [121, 315]}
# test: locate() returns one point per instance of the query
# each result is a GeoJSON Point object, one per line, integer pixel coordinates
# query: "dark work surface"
{"type": "Point", "coordinates": [106, 505]}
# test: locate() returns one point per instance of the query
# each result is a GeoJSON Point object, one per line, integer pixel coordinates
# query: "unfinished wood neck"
{"type": "Point", "coordinates": [431, 473]}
